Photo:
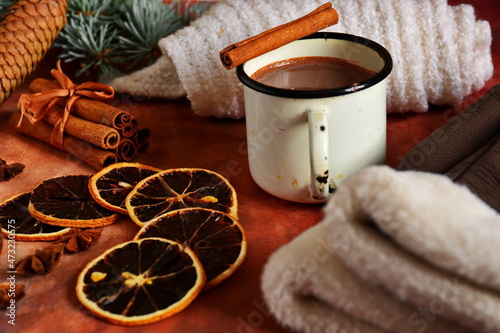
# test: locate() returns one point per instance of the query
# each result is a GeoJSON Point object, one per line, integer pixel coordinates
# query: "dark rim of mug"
{"type": "Point", "coordinates": [381, 75]}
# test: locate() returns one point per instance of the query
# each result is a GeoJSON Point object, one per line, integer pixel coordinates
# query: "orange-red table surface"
{"type": "Point", "coordinates": [182, 139]}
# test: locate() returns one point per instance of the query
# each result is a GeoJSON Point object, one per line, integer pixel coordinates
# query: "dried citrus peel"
{"type": "Point", "coordinates": [14, 215]}
{"type": "Point", "coordinates": [66, 202]}
{"type": "Point", "coordinates": [182, 188]}
{"type": "Point", "coordinates": [216, 238]}
{"type": "Point", "coordinates": [141, 281]}
{"type": "Point", "coordinates": [111, 185]}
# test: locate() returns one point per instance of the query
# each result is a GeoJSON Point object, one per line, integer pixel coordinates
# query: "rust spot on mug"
{"type": "Point", "coordinates": [323, 179]}
{"type": "Point", "coordinates": [295, 183]}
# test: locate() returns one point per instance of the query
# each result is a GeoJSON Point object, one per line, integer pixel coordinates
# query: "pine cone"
{"type": "Point", "coordinates": [27, 31]}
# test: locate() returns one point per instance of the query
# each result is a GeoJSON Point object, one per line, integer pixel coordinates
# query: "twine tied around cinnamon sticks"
{"type": "Point", "coordinates": [78, 119]}
{"type": "Point", "coordinates": [35, 107]}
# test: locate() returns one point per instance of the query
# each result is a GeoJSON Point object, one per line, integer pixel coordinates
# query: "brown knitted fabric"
{"type": "Point", "coordinates": [466, 149]}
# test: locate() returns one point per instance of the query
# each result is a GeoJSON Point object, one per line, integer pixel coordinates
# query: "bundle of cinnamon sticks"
{"type": "Point", "coordinates": [96, 132]}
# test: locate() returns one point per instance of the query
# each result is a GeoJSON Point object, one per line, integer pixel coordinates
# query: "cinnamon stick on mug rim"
{"type": "Point", "coordinates": [238, 53]}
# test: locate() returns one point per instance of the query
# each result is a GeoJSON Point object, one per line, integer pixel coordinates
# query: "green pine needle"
{"type": "Point", "coordinates": [91, 42]}
{"type": "Point", "coordinates": [139, 42]}
{"type": "Point", "coordinates": [116, 36]}
{"type": "Point", "coordinates": [119, 36]}
{"type": "Point", "coordinates": [92, 8]}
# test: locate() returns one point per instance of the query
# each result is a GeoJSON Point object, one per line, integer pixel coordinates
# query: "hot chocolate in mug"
{"type": "Point", "coordinates": [302, 142]}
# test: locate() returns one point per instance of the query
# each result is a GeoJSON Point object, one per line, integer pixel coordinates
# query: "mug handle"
{"type": "Point", "coordinates": [318, 154]}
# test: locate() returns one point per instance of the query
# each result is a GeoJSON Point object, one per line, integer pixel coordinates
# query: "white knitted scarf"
{"type": "Point", "coordinates": [396, 252]}
{"type": "Point", "coordinates": [441, 53]}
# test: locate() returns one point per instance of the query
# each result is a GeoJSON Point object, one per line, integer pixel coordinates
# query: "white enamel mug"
{"type": "Point", "coordinates": [302, 144]}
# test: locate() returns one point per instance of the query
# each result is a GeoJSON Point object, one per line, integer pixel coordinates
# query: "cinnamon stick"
{"type": "Point", "coordinates": [126, 150]}
{"type": "Point", "coordinates": [238, 53]}
{"type": "Point", "coordinates": [92, 110]}
{"type": "Point", "coordinates": [142, 136]}
{"type": "Point", "coordinates": [141, 139]}
{"type": "Point", "coordinates": [99, 135]}
{"type": "Point", "coordinates": [94, 156]}
{"type": "Point", "coordinates": [129, 127]}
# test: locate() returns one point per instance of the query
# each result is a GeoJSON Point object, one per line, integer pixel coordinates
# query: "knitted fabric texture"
{"type": "Point", "coordinates": [466, 149]}
{"type": "Point", "coordinates": [396, 252]}
{"type": "Point", "coordinates": [441, 53]}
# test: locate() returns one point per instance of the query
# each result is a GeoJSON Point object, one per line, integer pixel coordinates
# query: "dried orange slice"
{"type": "Point", "coordinates": [174, 189]}
{"type": "Point", "coordinates": [216, 238]}
{"type": "Point", "coordinates": [16, 221]}
{"type": "Point", "coordinates": [111, 185]}
{"type": "Point", "coordinates": [66, 202]}
{"type": "Point", "coordinates": [140, 281]}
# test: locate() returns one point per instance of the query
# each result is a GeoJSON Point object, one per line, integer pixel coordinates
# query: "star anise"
{"type": "Point", "coordinates": [42, 262]}
{"type": "Point", "coordinates": [9, 171]}
{"type": "Point", "coordinates": [10, 291]}
{"type": "Point", "coordinates": [80, 239]}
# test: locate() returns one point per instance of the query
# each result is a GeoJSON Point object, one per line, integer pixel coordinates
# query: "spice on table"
{"type": "Point", "coordinates": [9, 171]}
{"type": "Point", "coordinates": [80, 240]}
{"type": "Point", "coordinates": [96, 134]}
{"type": "Point", "coordinates": [92, 110]}
{"type": "Point", "coordinates": [90, 154]}
{"type": "Point", "coordinates": [7, 296]}
{"type": "Point", "coordinates": [77, 118]}
{"type": "Point", "coordinates": [42, 262]}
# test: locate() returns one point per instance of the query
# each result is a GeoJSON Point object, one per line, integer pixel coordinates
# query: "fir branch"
{"type": "Point", "coordinates": [113, 36]}
{"type": "Point", "coordinates": [105, 9]}
{"type": "Point", "coordinates": [90, 42]}
{"type": "Point", "coordinates": [139, 40]}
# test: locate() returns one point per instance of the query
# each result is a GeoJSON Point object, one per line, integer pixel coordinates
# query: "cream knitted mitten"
{"type": "Point", "coordinates": [398, 251]}
{"type": "Point", "coordinates": [441, 53]}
